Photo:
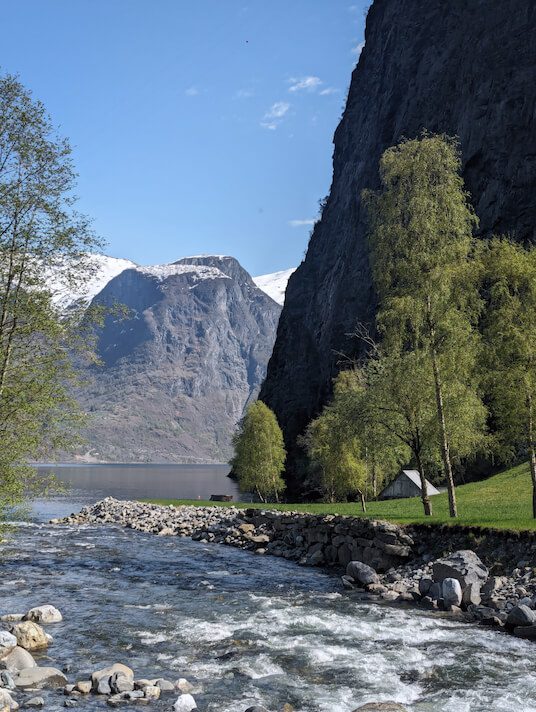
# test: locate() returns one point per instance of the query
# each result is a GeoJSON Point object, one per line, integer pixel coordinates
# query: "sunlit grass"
{"type": "Point", "coordinates": [503, 501]}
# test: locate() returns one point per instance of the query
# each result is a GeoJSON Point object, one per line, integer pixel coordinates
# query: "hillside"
{"type": "Point", "coordinates": [457, 67]}
{"type": "Point", "coordinates": [178, 371]}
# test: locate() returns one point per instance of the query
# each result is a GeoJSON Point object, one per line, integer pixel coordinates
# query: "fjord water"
{"type": "Point", "coordinates": [246, 629]}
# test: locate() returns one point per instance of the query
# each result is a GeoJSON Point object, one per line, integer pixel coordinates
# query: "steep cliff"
{"type": "Point", "coordinates": [463, 67]}
{"type": "Point", "coordinates": [178, 371]}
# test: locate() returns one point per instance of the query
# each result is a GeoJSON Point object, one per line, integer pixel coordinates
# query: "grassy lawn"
{"type": "Point", "coordinates": [504, 501]}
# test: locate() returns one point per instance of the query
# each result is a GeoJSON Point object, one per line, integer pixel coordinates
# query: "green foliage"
{"type": "Point", "coordinates": [509, 327]}
{"type": "Point", "coordinates": [260, 454]}
{"type": "Point", "coordinates": [421, 238]}
{"type": "Point", "coordinates": [39, 233]}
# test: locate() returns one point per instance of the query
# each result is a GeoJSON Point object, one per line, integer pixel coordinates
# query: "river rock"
{"type": "Point", "coordinates": [119, 682]}
{"type": "Point", "coordinates": [151, 692]}
{"type": "Point", "coordinates": [39, 677]}
{"type": "Point", "coordinates": [44, 614]}
{"type": "Point", "coordinates": [35, 702]}
{"type": "Point", "coordinates": [183, 685]}
{"type": "Point", "coordinates": [471, 595]}
{"type": "Point", "coordinates": [451, 592]}
{"type": "Point", "coordinates": [12, 617]}
{"type": "Point", "coordinates": [362, 573]}
{"type": "Point", "coordinates": [7, 702]}
{"type": "Point", "coordinates": [6, 680]}
{"type": "Point", "coordinates": [165, 685]}
{"type": "Point", "coordinates": [7, 643]}
{"type": "Point", "coordinates": [18, 659]}
{"type": "Point", "coordinates": [463, 565]}
{"type": "Point", "coordinates": [185, 703]}
{"type": "Point", "coordinates": [425, 584]}
{"type": "Point", "coordinates": [30, 636]}
{"type": "Point", "coordinates": [83, 686]}
{"type": "Point", "coordinates": [520, 616]}
{"type": "Point", "coordinates": [107, 672]}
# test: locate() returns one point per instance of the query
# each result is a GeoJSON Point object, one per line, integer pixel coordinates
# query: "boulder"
{"type": "Point", "coordinates": [30, 636]}
{"type": "Point", "coordinates": [165, 685]}
{"type": "Point", "coordinates": [107, 672]}
{"type": "Point", "coordinates": [471, 595]}
{"type": "Point", "coordinates": [7, 643]}
{"type": "Point", "coordinates": [492, 585]}
{"type": "Point", "coordinates": [425, 584]}
{"type": "Point", "coordinates": [183, 685]}
{"type": "Point", "coordinates": [6, 680]}
{"type": "Point", "coordinates": [526, 631]}
{"type": "Point", "coordinates": [7, 702]}
{"type": "Point", "coordinates": [463, 565]}
{"type": "Point", "coordinates": [151, 692]}
{"type": "Point", "coordinates": [451, 592]}
{"type": "Point", "coordinates": [520, 616]}
{"type": "Point", "coordinates": [362, 573]}
{"type": "Point", "coordinates": [83, 686]}
{"type": "Point", "coordinates": [119, 682]}
{"type": "Point", "coordinates": [39, 677]}
{"type": "Point", "coordinates": [43, 614]}
{"type": "Point", "coordinates": [185, 703]}
{"type": "Point", "coordinates": [18, 659]}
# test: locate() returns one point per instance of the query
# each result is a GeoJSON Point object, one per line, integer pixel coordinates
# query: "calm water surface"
{"type": "Point", "coordinates": [246, 629]}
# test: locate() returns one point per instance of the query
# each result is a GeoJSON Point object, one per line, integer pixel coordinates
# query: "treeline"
{"type": "Point", "coordinates": [449, 367]}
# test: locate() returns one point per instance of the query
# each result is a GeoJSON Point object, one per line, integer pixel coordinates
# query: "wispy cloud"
{"type": "Point", "coordinates": [358, 49]}
{"type": "Point", "coordinates": [192, 91]}
{"type": "Point", "coordinates": [304, 83]}
{"type": "Point", "coordinates": [244, 93]}
{"type": "Point", "coordinates": [275, 114]}
{"type": "Point", "coordinates": [301, 223]}
{"type": "Point", "coordinates": [328, 91]}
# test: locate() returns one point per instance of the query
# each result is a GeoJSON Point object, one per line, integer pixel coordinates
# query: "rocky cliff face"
{"type": "Point", "coordinates": [178, 371]}
{"type": "Point", "coordinates": [463, 67]}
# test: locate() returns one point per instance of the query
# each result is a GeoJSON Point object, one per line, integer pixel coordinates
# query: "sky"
{"type": "Point", "coordinates": [199, 127]}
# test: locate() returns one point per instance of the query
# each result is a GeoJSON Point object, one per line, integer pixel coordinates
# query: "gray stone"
{"type": "Point", "coordinates": [424, 586]}
{"type": "Point", "coordinates": [44, 614]}
{"type": "Point", "coordinates": [35, 702]}
{"type": "Point", "coordinates": [103, 686]}
{"type": "Point", "coordinates": [492, 585]}
{"type": "Point", "coordinates": [434, 591]}
{"type": "Point", "coordinates": [451, 592]}
{"type": "Point", "coordinates": [165, 685]}
{"type": "Point", "coordinates": [7, 702]}
{"type": "Point", "coordinates": [183, 685]}
{"type": "Point", "coordinates": [83, 686]}
{"type": "Point", "coordinates": [107, 673]}
{"type": "Point", "coordinates": [7, 642]}
{"type": "Point", "coordinates": [471, 595]}
{"type": "Point", "coordinates": [520, 616]}
{"type": "Point", "coordinates": [526, 631]}
{"type": "Point", "coordinates": [362, 573]}
{"type": "Point", "coordinates": [39, 677]}
{"type": "Point", "coordinates": [463, 565]}
{"type": "Point", "coordinates": [119, 682]}
{"type": "Point", "coordinates": [6, 680]}
{"type": "Point", "coordinates": [18, 659]}
{"type": "Point", "coordinates": [151, 692]}
{"type": "Point", "coordinates": [185, 703]}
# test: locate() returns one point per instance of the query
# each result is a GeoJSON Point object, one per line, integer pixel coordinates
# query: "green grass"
{"type": "Point", "coordinates": [503, 501]}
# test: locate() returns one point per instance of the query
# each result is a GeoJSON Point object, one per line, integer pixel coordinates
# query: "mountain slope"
{"type": "Point", "coordinates": [465, 68]}
{"type": "Point", "coordinates": [178, 371]}
{"type": "Point", "coordinates": [275, 284]}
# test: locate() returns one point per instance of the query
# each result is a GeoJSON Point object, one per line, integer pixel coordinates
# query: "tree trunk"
{"type": "Point", "coordinates": [445, 451]}
{"type": "Point", "coordinates": [363, 502]}
{"type": "Point", "coordinates": [424, 487]}
{"type": "Point", "coordinates": [374, 480]}
{"type": "Point", "coordinates": [532, 454]}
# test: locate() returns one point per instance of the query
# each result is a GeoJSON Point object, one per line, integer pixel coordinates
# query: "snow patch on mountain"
{"type": "Point", "coordinates": [275, 284]}
{"type": "Point", "coordinates": [200, 272]}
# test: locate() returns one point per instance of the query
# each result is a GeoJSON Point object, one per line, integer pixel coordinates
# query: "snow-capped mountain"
{"type": "Point", "coordinates": [275, 284]}
{"type": "Point", "coordinates": [177, 370]}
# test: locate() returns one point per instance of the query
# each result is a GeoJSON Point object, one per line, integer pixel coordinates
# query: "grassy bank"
{"type": "Point", "coordinates": [504, 501]}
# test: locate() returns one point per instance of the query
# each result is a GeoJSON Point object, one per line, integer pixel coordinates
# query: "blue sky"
{"type": "Point", "coordinates": [198, 127]}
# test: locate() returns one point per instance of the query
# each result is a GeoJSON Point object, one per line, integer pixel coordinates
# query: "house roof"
{"type": "Point", "coordinates": [415, 477]}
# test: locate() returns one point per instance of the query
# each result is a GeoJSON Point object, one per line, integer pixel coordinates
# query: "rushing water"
{"type": "Point", "coordinates": [247, 629]}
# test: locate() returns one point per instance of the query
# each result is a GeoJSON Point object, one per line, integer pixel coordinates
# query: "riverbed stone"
{"type": "Point", "coordinates": [107, 672]}
{"type": "Point", "coordinates": [6, 680]}
{"type": "Point", "coordinates": [185, 703]}
{"type": "Point", "coordinates": [451, 592]}
{"type": "Point", "coordinates": [39, 677]}
{"type": "Point", "coordinates": [17, 659]}
{"type": "Point", "coordinates": [472, 595]}
{"type": "Point", "coordinates": [183, 685]}
{"type": "Point", "coordinates": [7, 642]}
{"type": "Point", "coordinates": [36, 702]}
{"type": "Point", "coordinates": [463, 565]}
{"type": "Point", "coordinates": [12, 617]}
{"type": "Point", "coordinates": [119, 682]}
{"type": "Point", "coordinates": [151, 692]}
{"type": "Point", "coordinates": [7, 702]}
{"type": "Point", "coordinates": [30, 636]}
{"type": "Point", "coordinates": [528, 632]}
{"type": "Point", "coordinates": [520, 616]}
{"type": "Point", "coordinates": [43, 614]}
{"type": "Point", "coordinates": [83, 686]}
{"type": "Point", "coordinates": [165, 685]}
{"type": "Point", "coordinates": [362, 573]}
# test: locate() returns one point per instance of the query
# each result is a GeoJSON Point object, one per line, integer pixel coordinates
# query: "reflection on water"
{"type": "Point", "coordinates": [147, 481]}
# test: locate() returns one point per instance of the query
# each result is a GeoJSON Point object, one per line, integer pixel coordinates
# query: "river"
{"type": "Point", "coordinates": [245, 629]}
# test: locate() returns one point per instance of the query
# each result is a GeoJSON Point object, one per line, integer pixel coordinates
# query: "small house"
{"type": "Point", "coordinates": [406, 484]}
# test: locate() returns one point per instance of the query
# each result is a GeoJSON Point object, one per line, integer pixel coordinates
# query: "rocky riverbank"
{"type": "Point", "coordinates": [379, 561]}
